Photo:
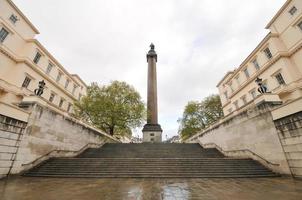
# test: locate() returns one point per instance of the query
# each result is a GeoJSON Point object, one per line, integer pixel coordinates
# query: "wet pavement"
{"type": "Point", "coordinates": [21, 188]}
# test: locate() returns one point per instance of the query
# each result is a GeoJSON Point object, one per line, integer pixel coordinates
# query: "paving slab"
{"type": "Point", "coordinates": [30, 188]}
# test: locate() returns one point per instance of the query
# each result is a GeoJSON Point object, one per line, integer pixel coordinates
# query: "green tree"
{"type": "Point", "coordinates": [198, 115]}
{"type": "Point", "coordinates": [113, 108]}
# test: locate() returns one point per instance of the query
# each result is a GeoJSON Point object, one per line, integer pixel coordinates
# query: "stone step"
{"type": "Point", "coordinates": [153, 164]}
{"type": "Point", "coordinates": [156, 159]}
{"type": "Point", "coordinates": [150, 168]}
{"type": "Point", "coordinates": [153, 169]}
{"type": "Point", "coordinates": [154, 175]}
{"type": "Point", "coordinates": [157, 176]}
{"type": "Point", "coordinates": [151, 150]}
{"type": "Point", "coordinates": [153, 172]}
{"type": "Point", "coordinates": [150, 160]}
{"type": "Point", "coordinates": [150, 172]}
{"type": "Point", "coordinates": [120, 155]}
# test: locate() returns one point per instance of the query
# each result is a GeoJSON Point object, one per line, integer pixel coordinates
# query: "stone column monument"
{"type": "Point", "coordinates": [152, 131]}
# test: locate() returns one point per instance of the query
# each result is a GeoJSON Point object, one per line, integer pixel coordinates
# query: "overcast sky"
{"type": "Point", "coordinates": [197, 42]}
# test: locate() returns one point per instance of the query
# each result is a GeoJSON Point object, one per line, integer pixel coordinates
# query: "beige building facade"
{"type": "Point", "coordinates": [33, 128]}
{"type": "Point", "coordinates": [277, 60]}
{"type": "Point", "coordinates": [24, 61]}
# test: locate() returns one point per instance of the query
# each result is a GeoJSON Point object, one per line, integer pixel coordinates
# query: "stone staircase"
{"type": "Point", "coordinates": [151, 160]}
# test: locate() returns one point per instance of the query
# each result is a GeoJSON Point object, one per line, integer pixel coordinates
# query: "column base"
{"type": "Point", "coordinates": [152, 133]}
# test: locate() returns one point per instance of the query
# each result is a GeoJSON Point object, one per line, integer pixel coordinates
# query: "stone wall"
{"type": "Point", "coordinates": [252, 129]}
{"type": "Point", "coordinates": [10, 132]}
{"type": "Point", "coordinates": [48, 130]}
{"type": "Point", "coordinates": [290, 132]}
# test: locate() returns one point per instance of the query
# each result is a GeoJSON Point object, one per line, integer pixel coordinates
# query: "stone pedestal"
{"type": "Point", "coordinates": [152, 133]}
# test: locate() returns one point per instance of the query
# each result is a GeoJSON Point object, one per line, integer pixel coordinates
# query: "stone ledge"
{"type": "Point", "coordinates": [267, 98]}
{"type": "Point", "coordinates": [152, 127]}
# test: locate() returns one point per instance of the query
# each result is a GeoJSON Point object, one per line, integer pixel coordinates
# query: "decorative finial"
{"type": "Point", "coordinates": [152, 46]}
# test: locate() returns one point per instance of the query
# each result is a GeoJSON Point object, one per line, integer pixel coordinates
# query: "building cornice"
{"type": "Point", "coordinates": [39, 71]}
{"type": "Point", "coordinates": [35, 41]}
{"type": "Point", "coordinates": [10, 88]}
{"type": "Point", "coordinates": [251, 55]}
{"type": "Point", "coordinates": [252, 78]}
{"type": "Point", "coordinates": [40, 45]}
{"type": "Point", "coordinates": [224, 77]}
{"type": "Point", "coordinates": [23, 16]}
{"type": "Point", "coordinates": [278, 14]}
{"type": "Point", "coordinates": [264, 68]}
{"type": "Point", "coordinates": [78, 77]}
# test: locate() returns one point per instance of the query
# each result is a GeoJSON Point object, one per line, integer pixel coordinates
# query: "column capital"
{"type": "Point", "coordinates": [151, 53]}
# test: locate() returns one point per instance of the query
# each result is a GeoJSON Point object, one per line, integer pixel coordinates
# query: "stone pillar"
{"type": "Point", "coordinates": [152, 131]}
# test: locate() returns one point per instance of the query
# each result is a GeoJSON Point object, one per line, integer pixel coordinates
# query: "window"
{"type": "Point", "coordinates": [3, 34]}
{"type": "Point", "coordinates": [236, 104]}
{"type": "Point", "coordinates": [230, 110]}
{"type": "Point", "coordinates": [49, 68]}
{"type": "Point", "coordinates": [226, 95]}
{"type": "Point", "coordinates": [280, 79]}
{"type": "Point", "coordinates": [299, 25]}
{"type": "Point", "coordinates": [151, 134]}
{"type": "Point", "coordinates": [256, 64]}
{"type": "Point", "coordinates": [37, 57]}
{"type": "Point", "coordinates": [13, 19]}
{"type": "Point", "coordinates": [69, 107]}
{"type": "Point", "coordinates": [268, 53]}
{"type": "Point", "coordinates": [244, 101]}
{"type": "Point", "coordinates": [246, 72]}
{"type": "Point", "coordinates": [66, 83]}
{"type": "Point", "coordinates": [292, 10]}
{"type": "Point", "coordinates": [52, 97]}
{"type": "Point", "coordinates": [26, 82]}
{"type": "Point", "coordinates": [61, 102]}
{"type": "Point", "coordinates": [152, 139]}
{"type": "Point", "coordinates": [59, 77]}
{"type": "Point", "coordinates": [253, 94]}
{"type": "Point", "coordinates": [74, 89]}
{"type": "Point", "coordinates": [80, 96]}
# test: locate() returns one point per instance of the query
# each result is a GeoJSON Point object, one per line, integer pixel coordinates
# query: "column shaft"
{"type": "Point", "coordinates": [152, 92]}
